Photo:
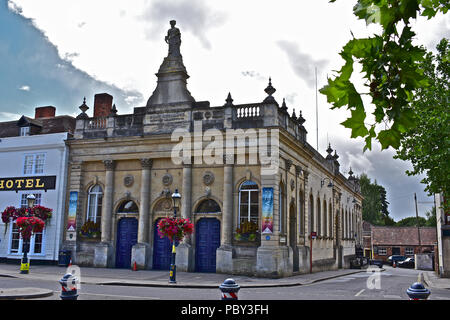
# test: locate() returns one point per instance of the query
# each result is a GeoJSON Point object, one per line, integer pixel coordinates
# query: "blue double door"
{"type": "Point", "coordinates": [127, 230]}
{"type": "Point", "coordinates": [207, 240]}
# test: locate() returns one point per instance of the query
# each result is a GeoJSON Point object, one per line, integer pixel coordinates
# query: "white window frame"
{"type": "Point", "coordinates": [409, 251]}
{"type": "Point", "coordinates": [32, 243]}
{"type": "Point", "coordinates": [34, 163]}
{"type": "Point", "coordinates": [25, 131]}
{"type": "Point", "coordinates": [382, 251]}
{"type": "Point", "coordinates": [96, 213]}
{"type": "Point", "coordinates": [248, 217]}
{"type": "Point", "coordinates": [31, 252]}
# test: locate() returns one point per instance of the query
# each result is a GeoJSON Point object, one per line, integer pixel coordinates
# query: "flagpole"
{"type": "Point", "coordinates": [317, 115]}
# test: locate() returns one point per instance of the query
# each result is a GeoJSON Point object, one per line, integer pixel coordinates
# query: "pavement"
{"type": "Point", "coordinates": [149, 278]}
{"type": "Point", "coordinates": [432, 280]}
{"type": "Point", "coordinates": [158, 278]}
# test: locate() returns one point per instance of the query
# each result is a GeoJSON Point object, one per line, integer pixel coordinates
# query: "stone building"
{"type": "Point", "coordinates": [250, 182]}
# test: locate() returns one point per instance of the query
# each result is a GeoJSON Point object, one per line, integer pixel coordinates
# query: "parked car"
{"type": "Point", "coordinates": [395, 258]}
{"type": "Point", "coordinates": [378, 263]}
{"type": "Point", "coordinates": [408, 263]}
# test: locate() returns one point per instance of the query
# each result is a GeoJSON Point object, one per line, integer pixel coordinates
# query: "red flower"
{"type": "Point", "coordinates": [175, 228]}
{"type": "Point", "coordinates": [29, 225]}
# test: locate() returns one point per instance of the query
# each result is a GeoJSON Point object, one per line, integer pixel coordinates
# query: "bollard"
{"type": "Point", "coordinates": [229, 289]}
{"type": "Point", "coordinates": [69, 287]}
{"type": "Point", "coordinates": [418, 292]}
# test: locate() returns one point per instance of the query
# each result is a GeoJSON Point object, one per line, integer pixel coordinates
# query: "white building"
{"type": "Point", "coordinates": [33, 160]}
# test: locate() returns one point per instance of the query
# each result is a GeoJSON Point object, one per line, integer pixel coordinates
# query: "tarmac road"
{"type": "Point", "coordinates": [390, 284]}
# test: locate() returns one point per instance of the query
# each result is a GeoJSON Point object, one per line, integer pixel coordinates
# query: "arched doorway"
{"type": "Point", "coordinates": [293, 237]}
{"type": "Point", "coordinates": [207, 240]}
{"type": "Point", "coordinates": [127, 229]}
{"type": "Point", "coordinates": [162, 250]}
{"type": "Point", "coordinates": [162, 247]}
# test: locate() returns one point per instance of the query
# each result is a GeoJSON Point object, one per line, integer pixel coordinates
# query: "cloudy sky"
{"type": "Point", "coordinates": [55, 52]}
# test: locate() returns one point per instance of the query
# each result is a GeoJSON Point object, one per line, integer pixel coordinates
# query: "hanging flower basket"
{"type": "Point", "coordinates": [12, 213]}
{"type": "Point", "coordinates": [175, 228]}
{"type": "Point", "coordinates": [29, 225]}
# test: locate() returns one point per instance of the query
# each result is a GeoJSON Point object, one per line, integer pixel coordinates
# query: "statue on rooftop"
{"type": "Point", "coordinates": [173, 38]}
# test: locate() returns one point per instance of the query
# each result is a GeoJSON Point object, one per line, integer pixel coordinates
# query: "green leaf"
{"type": "Point", "coordinates": [389, 138]}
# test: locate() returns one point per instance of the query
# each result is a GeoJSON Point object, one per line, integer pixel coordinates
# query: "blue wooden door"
{"type": "Point", "coordinates": [127, 230]}
{"type": "Point", "coordinates": [162, 251]}
{"type": "Point", "coordinates": [207, 240]}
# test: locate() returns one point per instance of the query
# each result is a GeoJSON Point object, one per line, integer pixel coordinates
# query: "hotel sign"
{"type": "Point", "coordinates": [28, 183]}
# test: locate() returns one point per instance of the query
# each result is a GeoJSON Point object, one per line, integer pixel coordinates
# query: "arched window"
{"type": "Point", "coordinates": [281, 206]}
{"type": "Point", "coordinates": [319, 218]}
{"type": "Point", "coordinates": [248, 202]}
{"type": "Point", "coordinates": [301, 215]}
{"type": "Point", "coordinates": [330, 214]}
{"type": "Point", "coordinates": [208, 206]}
{"type": "Point", "coordinates": [95, 197]}
{"type": "Point", "coordinates": [311, 214]}
{"type": "Point", "coordinates": [325, 217]}
{"type": "Point", "coordinates": [128, 207]}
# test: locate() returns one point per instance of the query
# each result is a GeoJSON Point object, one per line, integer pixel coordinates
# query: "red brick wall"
{"type": "Point", "coordinates": [402, 251]}
{"type": "Point", "coordinates": [102, 105]}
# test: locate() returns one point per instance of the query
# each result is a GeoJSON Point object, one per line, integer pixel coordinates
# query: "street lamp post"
{"type": "Point", "coordinates": [25, 264]}
{"type": "Point", "coordinates": [176, 198]}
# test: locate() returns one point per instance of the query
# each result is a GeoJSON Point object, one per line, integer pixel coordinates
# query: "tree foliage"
{"type": "Point", "coordinates": [390, 66]}
{"type": "Point", "coordinates": [427, 144]}
{"type": "Point", "coordinates": [374, 205]}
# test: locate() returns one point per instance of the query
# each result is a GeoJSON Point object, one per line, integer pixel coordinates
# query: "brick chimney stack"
{"type": "Point", "coordinates": [102, 104]}
{"type": "Point", "coordinates": [44, 112]}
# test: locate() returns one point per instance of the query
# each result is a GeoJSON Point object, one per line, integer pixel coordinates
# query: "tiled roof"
{"type": "Point", "coordinates": [403, 236]}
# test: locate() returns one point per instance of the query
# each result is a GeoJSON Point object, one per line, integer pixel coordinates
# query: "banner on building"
{"type": "Point", "coordinates": [72, 214]}
{"type": "Point", "coordinates": [267, 210]}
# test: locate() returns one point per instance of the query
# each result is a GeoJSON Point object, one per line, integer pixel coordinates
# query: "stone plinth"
{"type": "Point", "coordinates": [142, 254]}
{"type": "Point", "coordinates": [103, 255]}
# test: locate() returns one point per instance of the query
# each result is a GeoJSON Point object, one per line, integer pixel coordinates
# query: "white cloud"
{"type": "Point", "coordinates": [25, 88]}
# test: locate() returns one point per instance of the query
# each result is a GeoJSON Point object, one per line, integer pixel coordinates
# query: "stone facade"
{"type": "Point", "coordinates": [215, 157]}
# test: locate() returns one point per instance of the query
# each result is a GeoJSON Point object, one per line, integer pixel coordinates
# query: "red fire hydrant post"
{"type": "Point", "coordinates": [69, 287]}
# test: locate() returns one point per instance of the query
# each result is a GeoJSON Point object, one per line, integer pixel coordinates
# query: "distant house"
{"type": "Point", "coordinates": [380, 242]}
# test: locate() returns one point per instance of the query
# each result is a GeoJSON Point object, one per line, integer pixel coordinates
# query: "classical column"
{"type": "Point", "coordinates": [187, 192]}
{"type": "Point", "coordinates": [185, 256]}
{"type": "Point", "coordinates": [227, 214]}
{"type": "Point", "coordinates": [103, 255]}
{"type": "Point", "coordinates": [224, 254]}
{"type": "Point", "coordinates": [141, 252]}
{"type": "Point", "coordinates": [143, 231]}
{"type": "Point", "coordinates": [108, 201]}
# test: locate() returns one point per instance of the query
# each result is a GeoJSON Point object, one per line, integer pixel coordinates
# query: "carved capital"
{"type": "Point", "coordinates": [109, 164]}
{"type": "Point", "coordinates": [146, 163]}
{"type": "Point", "coordinates": [228, 159]}
{"type": "Point", "coordinates": [288, 164]}
{"type": "Point", "coordinates": [298, 170]}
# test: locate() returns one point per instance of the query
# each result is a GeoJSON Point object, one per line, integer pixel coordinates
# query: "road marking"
{"type": "Point", "coordinates": [114, 295]}
{"type": "Point", "coordinates": [362, 290]}
{"type": "Point", "coordinates": [388, 296]}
